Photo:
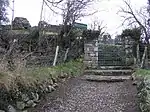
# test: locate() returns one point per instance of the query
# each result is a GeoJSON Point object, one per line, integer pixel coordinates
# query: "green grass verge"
{"type": "Point", "coordinates": [142, 73]}
{"type": "Point", "coordinates": [72, 68]}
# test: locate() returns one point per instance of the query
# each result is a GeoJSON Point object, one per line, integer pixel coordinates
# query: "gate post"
{"type": "Point", "coordinates": [91, 54]}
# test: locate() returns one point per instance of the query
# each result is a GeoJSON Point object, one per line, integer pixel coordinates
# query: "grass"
{"type": "Point", "coordinates": [72, 68]}
{"type": "Point", "coordinates": [142, 73]}
{"type": "Point", "coordinates": [41, 74]}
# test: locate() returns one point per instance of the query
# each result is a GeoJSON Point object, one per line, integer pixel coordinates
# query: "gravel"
{"type": "Point", "coordinates": [76, 95]}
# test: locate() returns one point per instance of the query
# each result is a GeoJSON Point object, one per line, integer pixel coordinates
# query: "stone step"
{"type": "Point", "coordinates": [108, 74]}
{"type": "Point", "coordinates": [115, 67]}
{"type": "Point", "coordinates": [106, 78]}
{"type": "Point", "coordinates": [109, 71]}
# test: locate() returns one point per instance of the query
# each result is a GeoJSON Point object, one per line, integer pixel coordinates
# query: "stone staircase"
{"type": "Point", "coordinates": [109, 74]}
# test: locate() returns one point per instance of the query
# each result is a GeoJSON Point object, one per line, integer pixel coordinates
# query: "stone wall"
{"type": "Point", "coordinates": [91, 54]}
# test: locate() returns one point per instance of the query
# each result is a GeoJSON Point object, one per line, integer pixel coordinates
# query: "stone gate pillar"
{"type": "Point", "coordinates": [91, 54]}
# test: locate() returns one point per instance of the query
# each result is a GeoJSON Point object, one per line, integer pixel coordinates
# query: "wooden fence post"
{"type": "Point", "coordinates": [66, 54]}
{"type": "Point", "coordinates": [56, 55]}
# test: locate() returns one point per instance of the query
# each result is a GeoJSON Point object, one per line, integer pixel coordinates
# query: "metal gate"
{"type": "Point", "coordinates": [111, 55]}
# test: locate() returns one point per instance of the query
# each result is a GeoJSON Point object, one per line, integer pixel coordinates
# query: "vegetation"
{"type": "Point", "coordinates": [16, 78]}
{"type": "Point", "coordinates": [40, 74]}
{"type": "Point", "coordinates": [142, 72]}
{"type": "Point", "coordinates": [139, 19]}
{"type": "Point", "coordinates": [106, 38]}
{"type": "Point", "coordinates": [24, 88]}
{"type": "Point", "coordinates": [143, 89]}
{"type": "Point", "coordinates": [134, 35]}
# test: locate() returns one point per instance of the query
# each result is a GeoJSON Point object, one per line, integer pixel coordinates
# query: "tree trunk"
{"type": "Point", "coordinates": [144, 57]}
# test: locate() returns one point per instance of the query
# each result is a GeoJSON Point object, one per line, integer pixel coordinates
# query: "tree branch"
{"type": "Point", "coordinates": [133, 15]}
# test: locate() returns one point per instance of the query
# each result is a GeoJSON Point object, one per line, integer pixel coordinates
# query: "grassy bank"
{"type": "Point", "coordinates": [143, 88]}
{"type": "Point", "coordinates": [25, 87]}
{"type": "Point", "coordinates": [40, 74]}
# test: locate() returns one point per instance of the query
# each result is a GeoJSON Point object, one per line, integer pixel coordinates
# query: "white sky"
{"type": "Point", "coordinates": [108, 9]}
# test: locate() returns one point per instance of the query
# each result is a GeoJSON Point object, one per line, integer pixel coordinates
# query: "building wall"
{"type": "Point", "coordinates": [91, 54]}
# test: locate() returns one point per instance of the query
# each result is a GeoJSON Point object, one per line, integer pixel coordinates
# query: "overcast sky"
{"type": "Point", "coordinates": [108, 9]}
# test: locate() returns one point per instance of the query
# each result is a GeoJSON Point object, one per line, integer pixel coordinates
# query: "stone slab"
{"type": "Point", "coordinates": [106, 78]}
{"type": "Point", "coordinates": [107, 71]}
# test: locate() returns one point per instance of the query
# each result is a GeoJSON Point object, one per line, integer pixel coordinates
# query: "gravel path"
{"type": "Point", "coordinates": [78, 95]}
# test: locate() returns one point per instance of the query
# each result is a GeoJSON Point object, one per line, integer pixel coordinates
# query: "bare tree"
{"type": "Point", "coordinates": [137, 18]}
{"type": "Point", "coordinates": [71, 11]}
{"type": "Point", "coordinates": [98, 25]}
